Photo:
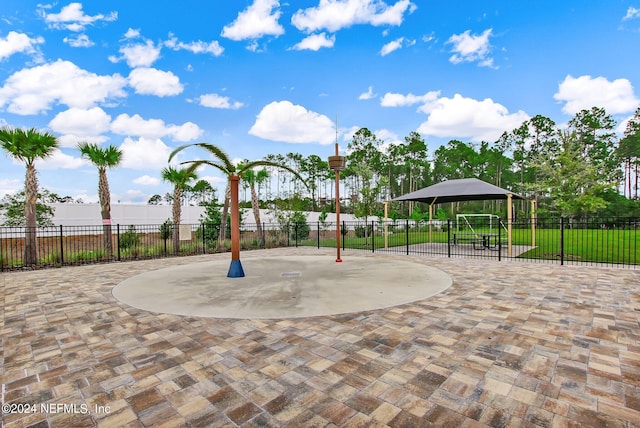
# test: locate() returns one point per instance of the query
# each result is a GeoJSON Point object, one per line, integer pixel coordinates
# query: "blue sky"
{"type": "Point", "coordinates": [260, 77]}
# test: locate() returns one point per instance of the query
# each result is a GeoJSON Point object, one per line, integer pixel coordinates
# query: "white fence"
{"type": "Point", "coordinates": [126, 214]}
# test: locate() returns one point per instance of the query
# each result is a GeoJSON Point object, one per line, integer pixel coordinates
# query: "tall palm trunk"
{"type": "Point", "coordinates": [31, 195]}
{"type": "Point", "coordinates": [225, 213]}
{"type": "Point", "coordinates": [177, 211]}
{"type": "Point", "coordinates": [105, 210]}
{"type": "Point", "coordinates": [255, 204]}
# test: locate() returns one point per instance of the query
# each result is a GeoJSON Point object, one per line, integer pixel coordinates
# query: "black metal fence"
{"type": "Point", "coordinates": [596, 241]}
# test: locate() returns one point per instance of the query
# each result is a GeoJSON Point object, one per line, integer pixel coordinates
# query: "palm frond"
{"type": "Point", "coordinates": [194, 164]}
{"type": "Point", "coordinates": [216, 151]}
{"type": "Point", "coordinates": [102, 158]}
{"type": "Point", "coordinates": [252, 164]}
{"type": "Point", "coordinates": [27, 145]}
{"type": "Point", "coordinates": [178, 149]}
{"type": "Point", "coordinates": [178, 176]}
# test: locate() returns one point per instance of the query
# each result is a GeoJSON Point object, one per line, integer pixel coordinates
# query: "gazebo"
{"type": "Point", "coordinates": [469, 189]}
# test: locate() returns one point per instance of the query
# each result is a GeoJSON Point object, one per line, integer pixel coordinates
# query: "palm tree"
{"type": "Point", "coordinates": [103, 159]}
{"type": "Point", "coordinates": [204, 190]}
{"type": "Point", "coordinates": [252, 177]}
{"type": "Point", "coordinates": [225, 214]}
{"type": "Point", "coordinates": [234, 173]}
{"type": "Point", "coordinates": [27, 146]}
{"type": "Point", "coordinates": [180, 179]}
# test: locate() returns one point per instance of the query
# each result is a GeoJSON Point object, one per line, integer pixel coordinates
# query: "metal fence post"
{"type": "Point", "coordinates": [499, 239]}
{"type": "Point", "coordinates": [449, 237]}
{"type": "Point", "coordinates": [406, 234]}
{"type": "Point", "coordinates": [344, 235]}
{"type": "Point", "coordinates": [61, 247]}
{"type": "Point", "coordinates": [295, 230]}
{"type": "Point", "coordinates": [204, 239]}
{"type": "Point", "coordinates": [118, 239]}
{"type": "Point", "coordinates": [561, 240]}
{"type": "Point", "coordinates": [373, 237]}
{"type": "Point", "coordinates": [318, 232]}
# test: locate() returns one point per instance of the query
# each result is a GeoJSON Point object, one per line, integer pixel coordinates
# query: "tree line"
{"type": "Point", "coordinates": [581, 169]}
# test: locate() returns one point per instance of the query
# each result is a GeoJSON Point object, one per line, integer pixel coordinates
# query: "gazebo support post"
{"type": "Point", "coordinates": [431, 217]}
{"type": "Point", "coordinates": [533, 223]}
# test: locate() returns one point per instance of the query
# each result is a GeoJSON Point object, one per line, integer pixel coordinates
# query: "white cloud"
{"type": "Point", "coordinates": [256, 21]}
{"type": "Point", "coordinates": [214, 180]}
{"type": "Point", "coordinates": [73, 18]}
{"type": "Point", "coordinates": [60, 160]}
{"type": "Point", "coordinates": [218, 101]}
{"type": "Point", "coordinates": [367, 95]}
{"type": "Point", "coordinates": [138, 55]}
{"type": "Point", "coordinates": [132, 33]}
{"type": "Point", "coordinates": [398, 100]}
{"type": "Point", "coordinates": [151, 81]}
{"type": "Point", "coordinates": [632, 13]}
{"type": "Point", "coordinates": [585, 92]}
{"type": "Point", "coordinates": [315, 42]}
{"type": "Point", "coordinates": [144, 153]}
{"type": "Point", "coordinates": [77, 125]}
{"type": "Point", "coordinates": [19, 42]}
{"type": "Point", "coordinates": [334, 15]}
{"type": "Point", "coordinates": [154, 128]}
{"type": "Point", "coordinates": [460, 117]}
{"type": "Point", "coordinates": [10, 186]}
{"type": "Point", "coordinates": [391, 46]}
{"type": "Point", "coordinates": [34, 90]}
{"type": "Point", "coordinates": [387, 136]}
{"type": "Point", "coordinates": [471, 48]}
{"type": "Point", "coordinates": [147, 180]}
{"type": "Point", "coordinates": [131, 196]}
{"type": "Point", "coordinates": [91, 121]}
{"type": "Point", "coordinates": [622, 125]}
{"type": "Point", "coordinates": [428, 38]}
{"type": "Point", "coordinates": [188, 131]}
{"type": "Point", "coordinates": [284, 121]}
{"type": "Point", "coordinates": [198, 47]}
{"type": "Point", "coordinates": [389, 139]}
{"type": "Point", "coordinates": [86, 198]}
{"type": "Point", "coordinates": [81, 41]}
{"type": "Point", "coordinates": [72, 140]}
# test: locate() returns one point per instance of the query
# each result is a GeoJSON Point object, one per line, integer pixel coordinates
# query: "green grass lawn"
{"type": "Point", "coordinates": [588, 245]}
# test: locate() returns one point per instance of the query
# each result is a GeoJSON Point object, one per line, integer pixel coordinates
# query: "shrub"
{"type": "Point", "coordinates": [130, 238]}
{"type": "Point", "coordinates": [166, 230]}
{"type": "Point", "coordinates": [361, 230]}
{"type": "Point", "coordinates": [209, 232]}
{"type": "Point", "coordinates": [299, 228]}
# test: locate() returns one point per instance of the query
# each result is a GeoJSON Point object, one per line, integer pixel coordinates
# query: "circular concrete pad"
{"type": "Point", "coordinates": [282, 287]}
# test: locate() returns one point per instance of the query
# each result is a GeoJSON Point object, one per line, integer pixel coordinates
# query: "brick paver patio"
{"type": "Point", "coordinates": [508, 345]}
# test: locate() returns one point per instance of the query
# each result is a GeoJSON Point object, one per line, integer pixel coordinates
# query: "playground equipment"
{"type": "Point", "coordinates": [481, 230]}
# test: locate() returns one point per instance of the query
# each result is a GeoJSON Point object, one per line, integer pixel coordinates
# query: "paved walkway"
{"type": "Point", "coordinates": [508, 344]}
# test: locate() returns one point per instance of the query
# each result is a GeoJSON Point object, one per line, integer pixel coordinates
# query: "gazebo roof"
{"type": "Point", "coordinates": [466, 189]}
